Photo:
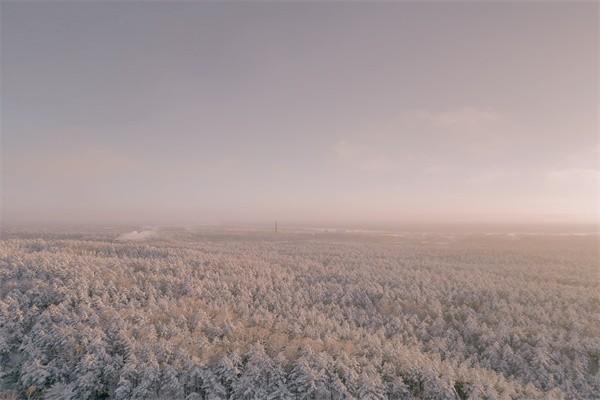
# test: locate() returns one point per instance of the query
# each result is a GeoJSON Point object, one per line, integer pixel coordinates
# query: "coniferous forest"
{"type": "Point", "coordinates": [188, 315]}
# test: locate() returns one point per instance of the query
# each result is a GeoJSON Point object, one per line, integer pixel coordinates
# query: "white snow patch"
{"type": "Point", "coordinates": [136, 235]}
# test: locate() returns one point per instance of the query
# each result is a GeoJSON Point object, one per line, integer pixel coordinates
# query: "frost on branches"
{"type": "Point", "coordinates": [299, 317]}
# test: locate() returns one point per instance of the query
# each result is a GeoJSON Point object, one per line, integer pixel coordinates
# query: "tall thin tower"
{"type": "Point", "coordinates": [275, 226]}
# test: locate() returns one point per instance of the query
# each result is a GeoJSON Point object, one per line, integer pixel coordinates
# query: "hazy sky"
{"type": "Point", "coordinates": [305, 112]}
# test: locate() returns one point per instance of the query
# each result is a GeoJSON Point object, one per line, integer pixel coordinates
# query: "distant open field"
{"type": "Point", "coordinates": [187, 314]}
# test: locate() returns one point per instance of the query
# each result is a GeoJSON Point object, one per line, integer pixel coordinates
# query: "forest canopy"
{"type": "Point", "coordinates": [180, 315]}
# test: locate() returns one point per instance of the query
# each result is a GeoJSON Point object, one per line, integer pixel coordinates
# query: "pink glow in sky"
{"type": "Point", "coordinates": [208, 112]}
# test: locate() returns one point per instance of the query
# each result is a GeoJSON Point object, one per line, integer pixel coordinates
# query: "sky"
{"type": "Point", "coordinates": [314, 112]}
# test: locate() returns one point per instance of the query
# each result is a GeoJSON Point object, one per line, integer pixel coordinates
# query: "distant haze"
{"type": "Point", "coordinates": [209, 112]}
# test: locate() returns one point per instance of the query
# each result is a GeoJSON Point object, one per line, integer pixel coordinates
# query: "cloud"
{"type": "Point", "coordinates": [85, 164]}
{"type": "Point", "coordinates": [136, 236]}
{"type": "Point", "coordinates": [462, 135]}
{"type": "Point", "coordinates": [378, 163]}
{"type": "Point", "coordinates": [363, 157]}
{"type": "Point", "coordinates": [575, 177]}
{"type": "Point", "coordinates": [462, 118]}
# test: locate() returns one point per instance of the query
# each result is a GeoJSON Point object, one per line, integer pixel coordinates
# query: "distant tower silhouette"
{"type": "Point", "coordinates": [275, 226]}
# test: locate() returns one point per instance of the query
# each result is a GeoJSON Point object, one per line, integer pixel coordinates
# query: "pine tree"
{"type": "Point", "coordinates": [302, 380]}
{"type": "Point", "coordinates": [370, 387]}
{"type": "Point", "coordinates": [254, 381]}
{"type": "Point", "coordinates": [212, 386]}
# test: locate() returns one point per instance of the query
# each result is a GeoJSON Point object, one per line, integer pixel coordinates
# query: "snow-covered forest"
{"type": "Point", "coordinates": [181, 315]}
